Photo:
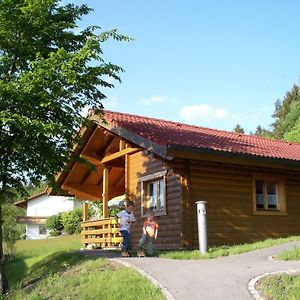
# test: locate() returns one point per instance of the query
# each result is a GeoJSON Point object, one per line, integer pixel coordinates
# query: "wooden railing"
{"type": "Point", "coordinates": [103, 233]}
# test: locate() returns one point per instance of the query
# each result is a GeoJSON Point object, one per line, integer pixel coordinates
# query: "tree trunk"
{"type": "Point", "coordinates": [3, 280]}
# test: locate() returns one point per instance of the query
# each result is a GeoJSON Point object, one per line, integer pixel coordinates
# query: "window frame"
{"type": "Point", "coordinates": [44, 229]}
{"type": "Point", "coordinates": [144, 180]}
{"type": "Point", "coordinates": [280, 192]}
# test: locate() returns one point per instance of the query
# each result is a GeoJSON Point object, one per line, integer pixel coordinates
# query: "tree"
{"type": "Point", "coordinates": [11, 231]}
{"type": "Point", "coordinates": [238, 129]}
{"type": "Point", "coordinates": [260, 131]}
{"type": "Point", "coordinates": [71, 220]}
{"type": "Point", "coordinates": [291, 123]}
{"type": "Point", "coordinates": [49, 72]}
{"type": "Point", "coordinates": [284, 121]}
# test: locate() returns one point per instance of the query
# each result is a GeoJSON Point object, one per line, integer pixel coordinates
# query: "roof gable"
{"type": "Point", "coordinates": [165, 134]}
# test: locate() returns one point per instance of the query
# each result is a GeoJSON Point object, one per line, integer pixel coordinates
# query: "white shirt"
{"type": "Point", "coordinates": [125, 220]}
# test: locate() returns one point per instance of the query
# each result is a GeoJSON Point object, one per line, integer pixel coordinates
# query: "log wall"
{"type": "Point", "coordinates": [228, 191]}
{"type": "Point", "coordinates": [170, 225]}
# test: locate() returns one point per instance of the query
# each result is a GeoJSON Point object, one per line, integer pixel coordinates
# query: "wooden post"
{"type": "Point", "coordinates": [85, 209]}
{"type": "Point", "coordinates": [127, 176]}
{"type": "Point", "coordinates": [105, 192]}
{"type": "Point", "coordinates": [121, 145]}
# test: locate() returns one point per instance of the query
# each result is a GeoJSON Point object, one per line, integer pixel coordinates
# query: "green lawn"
{"type": "Point", "coordinates": [57, 273]}
{"type": "Point", "coordinates": [225, 250]}
{"type": "Point", "coordinates": [282, 286]}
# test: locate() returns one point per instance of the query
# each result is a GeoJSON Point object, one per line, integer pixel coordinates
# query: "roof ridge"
{"type": "Point", "coordinates": [202, 127]}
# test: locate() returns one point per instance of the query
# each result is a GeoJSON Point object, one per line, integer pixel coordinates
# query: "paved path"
{"type": "Point", "coordinates": [221, 278]}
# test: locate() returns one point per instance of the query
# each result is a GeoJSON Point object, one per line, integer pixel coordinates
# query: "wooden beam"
{"type": "Point", "coordinates": [96, 161]}
{"type": "Point", "coordinates": [89, 140]}
{"type": "Point", "coordinates": [84, 192]}
{"type": "Point", "coordinates": [119, 154]}
{"type": "Point", "coordinates": [85, 210]}
{"type": "Point", "coordinates": [105, 192]}
{"type": "Point", "coordinates": [108, 144]}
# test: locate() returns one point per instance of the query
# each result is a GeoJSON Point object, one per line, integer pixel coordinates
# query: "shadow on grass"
{"type": "Point", "coordinates": [21, 276]}
{"type": "Point", "coordinates": [15, 270]}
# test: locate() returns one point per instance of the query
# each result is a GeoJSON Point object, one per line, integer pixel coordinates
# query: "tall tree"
{"type": "Point", "coordinates": [284, 118]}
{"type": "Point", "coordinates": [238, 128]}
{"type": "Point", "coordinates": [260, 131]}
{"type": "Point", "coordinates": [49, 71]}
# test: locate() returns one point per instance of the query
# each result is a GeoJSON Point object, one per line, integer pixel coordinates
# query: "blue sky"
{"type": "Point", "coordinates": [208, 63]}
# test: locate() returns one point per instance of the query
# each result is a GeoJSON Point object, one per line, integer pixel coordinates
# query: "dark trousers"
{"type": "Point", "coordinates": [126, 240]}
{"type": "Point", "coordinates": [149, 240]}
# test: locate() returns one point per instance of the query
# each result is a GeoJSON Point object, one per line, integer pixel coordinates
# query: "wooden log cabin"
{"type": "Point", "coordinates": [251, 184]}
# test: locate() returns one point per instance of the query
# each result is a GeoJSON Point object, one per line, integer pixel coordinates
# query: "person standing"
{"type": "Point", "coordinates": [150, 230]}
{"type": "Point", "coordinates": [125, 220]}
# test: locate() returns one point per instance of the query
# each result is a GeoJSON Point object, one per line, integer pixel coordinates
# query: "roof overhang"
{"type": "Point", "coordinates": [23, 203]}
{"type": "Point", "coordinates": [178, 151]}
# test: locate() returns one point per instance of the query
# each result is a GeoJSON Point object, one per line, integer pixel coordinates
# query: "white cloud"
{"type": "Point", "coordinates": [205, 112]}
{"type": "Point", "coordinates": [154, 100]}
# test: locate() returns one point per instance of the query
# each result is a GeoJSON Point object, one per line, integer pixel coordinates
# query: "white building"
{"type": "Point", "coordinates": [39, 208]}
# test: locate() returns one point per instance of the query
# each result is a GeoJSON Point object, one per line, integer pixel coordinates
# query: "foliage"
{"type": "Point", "coordinates": [287, 114]}
{"type": "Point", "coordinates": [226, 250]}
{"type": "Point", "coordinates": [113, 210]}
{"type": "Point", "coordinates": [49, 72]}
{"type": "Point", "coordinates": [37, 188]}
{"type": "Point", "coordinates": [54, 224]}
{"type": "Point", "coordinates": [11, 230]}
{"type": "Point", "coordinates": [262, 132]}
{"type": "Point", "coordinates": [238, 128]}
{"type": "Point", "coordinates": [71, 220]}
{"type": "Point", "coordinates": [294, 134]}
{"type": "Point", "coordinates": [95, 209]}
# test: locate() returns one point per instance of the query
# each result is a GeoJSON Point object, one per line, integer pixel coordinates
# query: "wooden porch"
{"type": "Point", "coordinates": [102, 177]}
{"type": "Point", "coordinates": [103, 233]}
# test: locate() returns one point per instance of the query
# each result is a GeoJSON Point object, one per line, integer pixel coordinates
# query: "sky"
{"type": "Point", "coordinates": [207, 63]}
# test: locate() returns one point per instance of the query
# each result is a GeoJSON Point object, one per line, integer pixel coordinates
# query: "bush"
{"type": "Point", "coordinates": [71, 220]}
{"type": "Point", "coordinates": [55, 232]}
{"type": "Point", "coordinates": [54, 225]}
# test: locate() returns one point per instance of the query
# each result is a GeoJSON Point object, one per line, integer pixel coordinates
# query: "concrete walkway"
{"type": "Point", "coordinates": [220, 278]}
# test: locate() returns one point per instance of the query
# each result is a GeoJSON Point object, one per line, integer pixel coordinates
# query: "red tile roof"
{"type": "Point", "coordinates": [167, 133]}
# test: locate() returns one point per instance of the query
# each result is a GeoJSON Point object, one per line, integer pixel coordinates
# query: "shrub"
{"type": "Point", "coordinates": [71, 220]}
{"type": "Point", "coordinates": [54, 225]}
{"type": "Point", "coordinates": [55, 232]}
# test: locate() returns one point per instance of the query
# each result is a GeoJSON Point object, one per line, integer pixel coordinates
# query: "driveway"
{"type": "Point", "coordinates": [220, 278]}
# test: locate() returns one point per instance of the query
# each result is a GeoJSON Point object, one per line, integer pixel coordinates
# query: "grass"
{"type": "Point", "coordinates": [30, 254]}
{"type": "Point", "coordinates": [293, 254]}
{"type": "Point", "coordinates": [219, 251]}
{"type": "Point", "coordinates": [280, 287]}
{"type": "Point", "coordinates": [48, 270]}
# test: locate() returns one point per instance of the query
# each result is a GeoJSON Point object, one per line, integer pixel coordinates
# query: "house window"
{"type": "Point", "coordinates": [268, 195]}
{"type": "Point", "coordinates": [153, 193]}
{"type": "Point", "coordinates": [42, 230]}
